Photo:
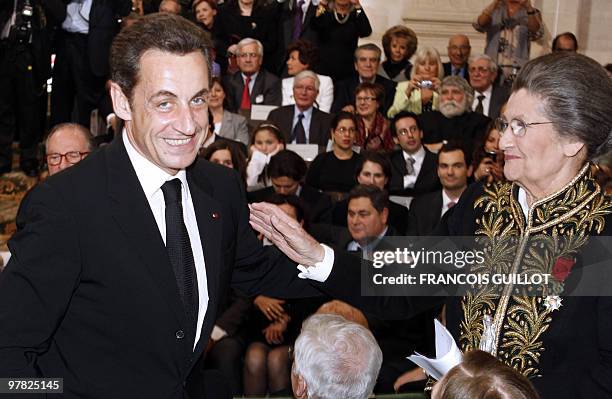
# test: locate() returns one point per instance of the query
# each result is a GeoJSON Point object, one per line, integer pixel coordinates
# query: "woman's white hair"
{"type": "Point", "coordinates": [336, 358]}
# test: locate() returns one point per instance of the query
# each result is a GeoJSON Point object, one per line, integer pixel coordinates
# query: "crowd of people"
{"type": "Point", "coordinates": [408, 145]}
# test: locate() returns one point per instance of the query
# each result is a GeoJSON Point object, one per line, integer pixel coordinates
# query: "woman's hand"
{"type": "Point", "coordinates": [271, 308]}
{"type": "Point", "coordinates": [274, 332]}
{"type": "Point", "coordinates": [489, 170]}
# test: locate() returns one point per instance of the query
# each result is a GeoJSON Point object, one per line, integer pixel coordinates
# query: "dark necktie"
{"type": "Point", "coordinates": [479, 108]}
{"type": "Point", "coordinates": [179, 251]}
{"type": "Point", "coordinates": [410, 166]}
{"type": "Point", "coordinates": [246, 96]}
{"type": "Point", "coordinates": [298, 131]}
{"type": "Point", "coordinates": [297, 21]}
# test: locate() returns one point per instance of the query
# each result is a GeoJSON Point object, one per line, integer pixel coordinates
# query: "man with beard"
{"type": "Point", "coordinates": [455, 120]}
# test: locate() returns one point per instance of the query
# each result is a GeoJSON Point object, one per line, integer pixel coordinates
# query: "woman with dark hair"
{"type": "Point", "coordinates": [340, 24]}
{"type": "Point", "coordinates": [205, 12]}
{"type": "Point", "coordinates": [399, 44]}
{"type": "Point", "coordinates": [374, 168]}
{"type": "Point", "coordinates": [266, 141]}
{"type": "Point", "coordinates": [373, 131]}
{"type": "Point", "coordinates": [303, 55]}
{"type": "Point", "coordinates": [226, 124]}
{"type": "Point", "coordinates": [488, 160]}
{"type": "Point", "coordinates": [227, 154]}
{"type": "Point", "coordinates": [334, 171]}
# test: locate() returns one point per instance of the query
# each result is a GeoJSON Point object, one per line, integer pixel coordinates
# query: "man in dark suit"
{"type": "Point", "coordinates": [302, 123]}
{"type": "Point", "coordinates": [367, 61]}
{"type": "Point", "coordinates": [458, 53]}
{"type": "Point", "coordinates": [489, 97]}
{"type": "Point", "coordinates": [413, 166]}
{"type": "Point", "coordinates": [81, 65]}
{"type": "Point", "coordinates": [263, 88]}
{"type": "Point", "coordinates": [454, 168]}
{"type": "Point", "coordinates": [120, 262]}
{"type": "Point", "coordinates": [287, 171]}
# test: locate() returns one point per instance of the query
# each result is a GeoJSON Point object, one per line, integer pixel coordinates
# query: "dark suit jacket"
{"type": "Point", "coordinates": [286, 22]}
{"type": "Point", "coordinates": [320, 124]}
{"type": "Point", "coordinates": [427, 180]}
{"type": "Point", "coordinates": [424, 214]}
{"type": "Point", "coordinates": [266, 85]}
{"type": "Point", "coordinates": [103, 27]}
{"type": "Point", "coordinates": [90, 295]}
{"type": "Point", "coordinates": [318, 205]}
{"type": "Point", "coordinates": [344, 93]}
{"type": "Point", "coordinates": [468, 128]}
{"type": "Point", "coordinates": [499, 96]}
{"type": "Point", "coordinates": [448, 71]}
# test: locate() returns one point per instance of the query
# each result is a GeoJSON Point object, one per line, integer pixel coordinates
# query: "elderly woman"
{"type": "Point", "coordinates": [510, 25]}
{"type": "Point", "coordinates": [419, 94]}
{"type": "Point", "coordinates": [302, 55]}
{"type": "Point", "coordinates": [559, 335]}
{"type": "Point", "coordinates": [399, 44]}
{"type": "Point", "coordinates": [372, 128]}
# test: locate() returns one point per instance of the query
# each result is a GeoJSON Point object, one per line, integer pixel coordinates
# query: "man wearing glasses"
{"type": "Point", "coordinates": [66, 145]}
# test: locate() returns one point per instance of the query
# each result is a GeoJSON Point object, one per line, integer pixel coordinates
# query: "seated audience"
{"type": "Point", "coordinates": [374, 168]}
{"type": "Point", "coordinates": [565, 42]}
{"type": "Point", "coordinates": [339, 25]}
{"type": "Point", "coordinates": [302, 123]}
{"type": "Point", "coordinates": [302, 56]}
{"type": "Point", "coordinates": [372, 128]}
{"type": "Point", "coordinates": [399, 44]}
{"type": "Point", "coordinates": [455, 120]}
{"type": "Point", "coordinates": [170, 7]}
{"type": "Point", "coordinates": [367, 62]}
{"type": "Point", "coordinates": [226, 153]}
{"type": "Point", "coordinates": [266, 141]}
{"type": "Point", "coordinates": [481, 375]}
{"type": "Point", "coordinates": [251, 84]}
{"type": "Point", "coordinates": [66, 145]}
{"type": "Point", "coordinates": [205, 12]}
{"type": "Point", "coordinates": [419, 94]}
{"type": "Point", "coordinates": [454, 169]}
{"type": "Point", "coordinates": [459, 49]}
{"type": "Point", "coordinates": [334, 358]}
{"type": "Point", "coordinates": [334, 171]}
{"type": "Point", "coordinates": [488, 95]}
{"type": "Point", "coordinates": [226, 124]}
{"type": "Point", "coordinates": [488, 159]}
{"type": "Point", "coordinates": [286, 172]}
{"type": "Point", "coordinates": [413, 167]}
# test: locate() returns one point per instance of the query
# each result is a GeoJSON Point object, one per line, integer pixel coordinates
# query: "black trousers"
{"type": "Point", "coordinates": [74, 85]}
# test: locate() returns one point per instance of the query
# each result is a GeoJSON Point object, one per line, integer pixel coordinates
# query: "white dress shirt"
{"type": "Point", "coordinates": [77, 16]}
{"type": "Point", "coordinates": [419, 157]}
{"type": "Point", "coordinates": [151, 178]}
{"type": "Point", "coordinates": [445, 201]}
{"type": "Point", "coordinates": [305, 122]}
{"type": "Point", "coordinates": [486, 102]}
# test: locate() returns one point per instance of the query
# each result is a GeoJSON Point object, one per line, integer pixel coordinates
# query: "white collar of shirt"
{"type": "Point", "coordinates": [253, 77]}
{"type": "Point", "coordinates": [369, 247]}
{"type": "Point", "coordinates": [418, 157]}
{"type": "Point", "coordinates": [447, 200]}
{"type": "Point", "coordinates": [485, 101]}
{"type": "Point", "coordinates": [362, 80]}
{"type": "Point", "coordinates": [522, 200]}
{"type": "Point", "coordinates": [305, 121]}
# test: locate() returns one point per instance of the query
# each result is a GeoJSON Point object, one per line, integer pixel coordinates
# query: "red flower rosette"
{"type": "Point", "coordinates": [562, 268]}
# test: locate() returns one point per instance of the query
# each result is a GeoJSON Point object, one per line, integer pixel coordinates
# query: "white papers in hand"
{"type": "Point", "coordinates": [448, 354]}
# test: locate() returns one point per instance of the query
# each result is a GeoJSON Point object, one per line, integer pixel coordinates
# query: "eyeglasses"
{"type": "Point", "coordinates": [71, 156]}
{"type": "Point", "coordinates": [411, 130]}
{"type": "Point", "coordinates": [344, 130]}
{"type": "Point", "coordinates": [248, 55]}
{"type": "Point", "coordinates": [365, 99]}
{"type": "Point", "coordinates": [517, 126]}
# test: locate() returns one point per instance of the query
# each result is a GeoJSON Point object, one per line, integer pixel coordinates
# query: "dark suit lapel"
{"type": "Point", "coordinates": [258, 86]}
{"type": "Point", "coordinates": [315, 127]}
{"type": "Point", "coordinates": [132, 213]}
{"type": "Point", "coordinates": [309, 14]}
{"type": "Point", "coordinates": [208, 215]}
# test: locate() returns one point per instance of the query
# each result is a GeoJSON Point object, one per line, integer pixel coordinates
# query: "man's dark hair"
{"type": "Point", "coordinates": [376, 157]}
{"type": "Point", "coordinates": [568, 35]}
{"type": "Point", "coordinates": [287, 163]}
{"type": "Point", "coordinates": [163, 32]}
{"type": "Point", "coordinates": [402, 115]}
{"type": "Point", "coordinates": [294, 201]}
{"type": "Point", "coordinates": [455, 146]}
{"type": "Point", "coordinates": [368, 47]}
{"type": "Point", "coordinates": [378, 197]}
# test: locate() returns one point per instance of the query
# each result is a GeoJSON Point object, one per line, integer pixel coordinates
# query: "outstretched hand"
{"type": "Point", "coordinates": [286, 233]}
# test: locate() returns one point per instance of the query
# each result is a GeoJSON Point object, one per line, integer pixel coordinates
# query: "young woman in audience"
{"type": "Point", "coordinates": [488, 160]}
{"type": "Point", "coordinates": [227, 154]}
{"type": "Point", "coordinates": [399, 44]}
{"type": "Point", "coordinates": [419, 94]}
{"type": "Point", "coordinates": [266, 141]}
{"type": "Point", "coordinates": [340, 24]}
{"type": "Point", "coordinates": [334, 171]}
{"type": "Point", "coordinates": [227, 124]}
{"type": "Point", "coordinates": [480, 375]}
{"type": "Point", "coordinates": [373, 132]}
{"type": "Point", "coordinates": [303, 55]}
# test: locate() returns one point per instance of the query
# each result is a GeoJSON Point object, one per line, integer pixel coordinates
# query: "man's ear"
{"type": "Point", "coordinates": [121, 104]}
{"type": "Point", "coordinates": [301, 390]}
